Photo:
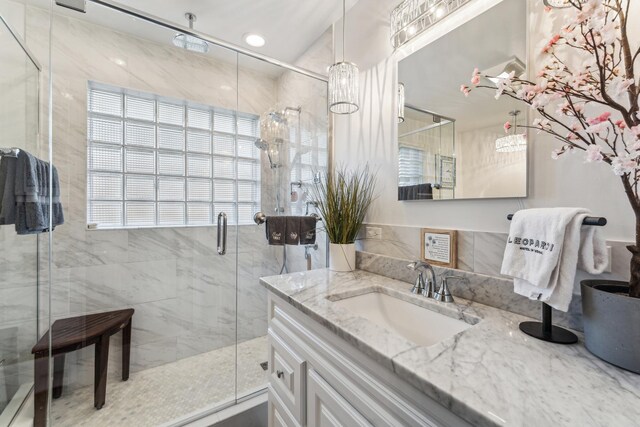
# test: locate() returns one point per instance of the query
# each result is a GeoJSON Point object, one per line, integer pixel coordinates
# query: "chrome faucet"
{"type": "Point", "coordinates": [423, 286]}
{"type": "Point", "coordinates": [443, 294]}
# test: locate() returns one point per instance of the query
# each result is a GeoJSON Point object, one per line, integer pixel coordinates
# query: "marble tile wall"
{"type": "Point", "coordinates": [479, 259]}
{"type": "Point", "coordinates": [187, 298]}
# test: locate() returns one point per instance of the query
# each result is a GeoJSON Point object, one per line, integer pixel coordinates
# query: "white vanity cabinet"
{"type": "Point", "coordinates": [317, 379]}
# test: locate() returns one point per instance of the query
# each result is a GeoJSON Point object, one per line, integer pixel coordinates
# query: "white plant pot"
{"type": "Point", "coordinates": [342, 257]}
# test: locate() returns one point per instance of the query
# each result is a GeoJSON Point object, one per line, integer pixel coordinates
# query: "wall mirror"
{"type": "Point", "coordinates": [455, 147]}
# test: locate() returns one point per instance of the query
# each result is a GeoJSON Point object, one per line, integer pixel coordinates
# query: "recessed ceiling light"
{"type": "Point", "coordinates": [255, 40]}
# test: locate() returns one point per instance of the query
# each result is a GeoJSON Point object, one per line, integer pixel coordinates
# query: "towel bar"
{"type": "Point", "coordinates": [9, 152]}
{"type": "Point", "coordinates": [597, 221]}
{"type": "Point", "coordinates": [546, 330]}
{"type": "Point", "coordinates": [261, 218]}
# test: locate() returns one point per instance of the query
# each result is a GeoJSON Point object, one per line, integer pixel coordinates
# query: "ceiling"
{"type": "Point", "coordinates": [290, 27]}
{"type": "Point", "coordinates": [432, 76]}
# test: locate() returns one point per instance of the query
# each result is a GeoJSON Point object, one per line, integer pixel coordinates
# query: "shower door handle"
{"type": "Point", "coordinates": [222, 233]}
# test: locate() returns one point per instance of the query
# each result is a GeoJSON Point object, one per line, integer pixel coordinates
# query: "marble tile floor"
{"type": "Point", "coordinates": [169, 392]}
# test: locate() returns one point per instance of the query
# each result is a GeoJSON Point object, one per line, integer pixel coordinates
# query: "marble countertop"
{"type": "Point", "coordinates": [490, 374]}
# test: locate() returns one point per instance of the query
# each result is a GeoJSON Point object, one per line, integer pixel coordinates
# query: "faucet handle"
{"type": "Point", "coordinates": [414, 265]}
{"type": "Point", "coordinates": [419, 285]}
{"type": "Point", "coordinates": [418, 265]}
{"type": "Point", "coordinates": [444, 295]}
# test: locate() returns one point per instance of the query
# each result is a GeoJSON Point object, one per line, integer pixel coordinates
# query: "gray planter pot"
{"type": "Point", "coordinates": [611, 323]}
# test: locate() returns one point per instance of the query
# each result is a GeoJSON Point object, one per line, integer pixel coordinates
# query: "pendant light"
{"type": "Point", "coordinates": [513, 142]}
{"type": "Point", "coordinates": [343, 80]}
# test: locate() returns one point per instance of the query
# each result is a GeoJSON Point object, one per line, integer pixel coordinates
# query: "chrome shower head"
{"type": "Point", "coordinates": [278, 117]}
{"type": "Point", "coordinates": [188, 42]}
{"type": "Point", "coordinates": [261, 144]}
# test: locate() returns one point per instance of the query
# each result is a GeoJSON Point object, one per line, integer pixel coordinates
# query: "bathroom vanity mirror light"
{"type": "Point", "coordinates": [453, 147]}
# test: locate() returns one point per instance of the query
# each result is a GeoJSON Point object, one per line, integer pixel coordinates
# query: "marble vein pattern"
{"type": "Point", "coordinates": [488, 290]}
{"type": "Point", "coordinates": [478, 251]}
{"type": "Point", "coordinates": [490, 374]}
{"type": "Point", "coordinates": [188, 299]}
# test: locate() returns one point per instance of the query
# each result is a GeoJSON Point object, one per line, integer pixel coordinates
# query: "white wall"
{"type": "Point", "coordinates": [502, 174]}
{"type": "Point", "coordinates": [370, 136]}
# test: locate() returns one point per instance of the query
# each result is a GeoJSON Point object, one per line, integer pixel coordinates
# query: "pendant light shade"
{"type": "Point", "coordinates": [343, 88]}
{"type": "Point", "coordinates": [513, 142]}
{"type": "Point", "coordinates": [343, 80]}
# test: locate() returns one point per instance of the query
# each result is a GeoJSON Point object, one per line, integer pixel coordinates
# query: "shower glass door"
{"type": "Point", "coordinates": [145, 145]}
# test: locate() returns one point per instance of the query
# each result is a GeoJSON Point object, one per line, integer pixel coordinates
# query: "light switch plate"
{"type": "Point", "coordinates": [373, 233]}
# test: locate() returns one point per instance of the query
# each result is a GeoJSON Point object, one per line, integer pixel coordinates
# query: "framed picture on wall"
{"type": "Point", "coordinates": [447, 171]}
{"type": "Point", "coordinates": [439, 247]}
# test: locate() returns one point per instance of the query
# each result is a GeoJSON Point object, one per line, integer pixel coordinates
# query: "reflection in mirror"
{"type": "Point", "coordinates": [456, 147]}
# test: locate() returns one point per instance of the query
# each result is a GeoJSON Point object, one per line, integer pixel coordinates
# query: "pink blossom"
{"type": "Point", "coordinates": [621, 124]}
{"type": "Point", "coordinates": [548, 8]}
{"type": "Point", "coordinates": [593, 154]}
{"type": "Point", "coordinates": [503, 83]}
{"type": "Point", "coordinates": [475, 77]}
{"type": "Point", "coordinates": [506, 127]}
{"type": "Point", "coordinates": [601, 118]}
{"type": "Point", "coordinates": [608, 33]}
{"type": "Point", "coordinates": [623, 165]}
{"type": "Point", "coordinates": [465, 89]}
{"type": "Point", "coordinates": [542, 124]}
{"type": "Point", "coordinates": [540, 101]}
{"type": "Point", "coordinates": [551, 43]}
{"type": "Point", "coordinates": [618, 86]}
{"type": "Point", "coordinates": [572, 136]}
{"type": "Point", "coordinates": [557, 152]}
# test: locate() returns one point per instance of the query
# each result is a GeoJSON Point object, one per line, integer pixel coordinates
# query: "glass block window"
{"type": "Point", "coordinates": [411, 166]}
{"type": "Point", "coordinates": [155, 161]}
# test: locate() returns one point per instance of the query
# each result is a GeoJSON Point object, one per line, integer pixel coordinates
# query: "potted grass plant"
{"type": "Point", "coordinates": [343, 198]}
{"type": "Point", "coordinates": [586, 96]}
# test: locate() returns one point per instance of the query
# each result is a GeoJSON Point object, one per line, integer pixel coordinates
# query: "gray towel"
{"type": "Point", "coordinates": [276, 227]}
{"type": "Point", "coordinates": [32, 195]}
{"type": "Point", "coordinates": [292, 230]}
{"type": "Point", "coordinates": [7, 190]}
{"type": "Point", "coordinates": [307, 230]}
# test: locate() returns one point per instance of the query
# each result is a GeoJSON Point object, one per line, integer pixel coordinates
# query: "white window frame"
{"type": "Point", "coordinates": [101, 198]}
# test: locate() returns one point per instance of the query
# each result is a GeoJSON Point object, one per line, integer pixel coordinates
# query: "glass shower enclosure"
{"type": "Point", "coordinates": [145, 306]}
{"type": "Point", "coordinates": [159, 150]}
{"type": "Point", "coordinates": [19, 275]}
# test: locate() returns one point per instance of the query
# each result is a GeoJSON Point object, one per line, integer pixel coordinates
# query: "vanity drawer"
{"type": "Point", "coordinates": [287, 376]}
{"type": "Point", "coordinates": [327, 408]}
{"type": "Point", "coordinates": [279, 416]}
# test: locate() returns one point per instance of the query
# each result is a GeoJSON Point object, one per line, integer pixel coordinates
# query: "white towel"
{"type": "Point", "coordinates": [544, 248]}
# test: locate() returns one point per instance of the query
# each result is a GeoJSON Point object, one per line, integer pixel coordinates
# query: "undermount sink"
{"type": "Point", "coordinates": [413, 322]}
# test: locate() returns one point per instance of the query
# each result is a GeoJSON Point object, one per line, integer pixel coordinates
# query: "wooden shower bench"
{"type": "Point", "coordinates": [72, 334]}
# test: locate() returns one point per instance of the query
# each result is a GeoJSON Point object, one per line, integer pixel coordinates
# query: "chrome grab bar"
{"type": "Point", "coordinates": [222, 233]}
